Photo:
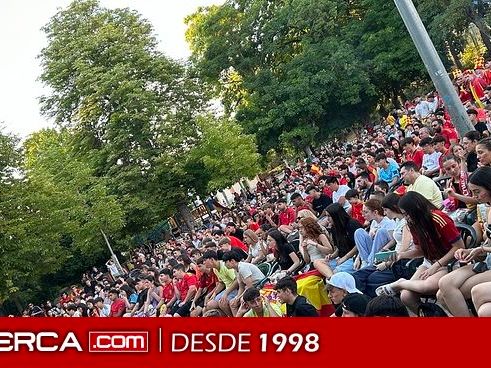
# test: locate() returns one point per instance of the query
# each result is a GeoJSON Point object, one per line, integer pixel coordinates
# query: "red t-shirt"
{"type": "Point", "coordinates": [208, 281]}
{"type": "Point", "coordinates": [356, 212]}
{"type": "Point", "coordinates": [236, 242]}
{"type": "Point", "coordinates": [168, 292]}
{"type": "Point", "coordinates": [416, 157]}
{"type": "Point", "coordinates": [253, 226]}
{"type": "Point", "coordinates": [449, 134]}
{"type": "Point", "coordinates": [302, 207]}
{"type": "Point", "coordinates": [327, 191]}
{"type": "Point", "coordinates": [286, 217]}
{"type": "Point", "coordinates": [183, 285]}
{"type": "Point", "coordinates": [118, 307]}
{"type": "Point", "coordinates": [372, 173]}
{"type": "Point", "coordinates": [447, 233]}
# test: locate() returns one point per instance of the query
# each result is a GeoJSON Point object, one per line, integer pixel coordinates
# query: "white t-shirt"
{"type": "Point", "coordinates": [341, 192]}
{"type": "Point", "coordinates": [386, 224]}
{"type": "Point", "coordinates": [255, 249]}
{"type": "Point", "coordinates": [248, 269]}
{"type": "Point", "coordinates": [430, 161]}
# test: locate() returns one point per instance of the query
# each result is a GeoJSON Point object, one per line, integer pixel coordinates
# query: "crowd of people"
{"type": "Point", "coordinates": [379, 218]}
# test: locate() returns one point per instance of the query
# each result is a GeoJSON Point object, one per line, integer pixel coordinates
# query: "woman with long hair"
{"type": "Point", "coordinates": [455, 288]}
{"type": "Point", "coordinates": [380, 234]}
{"type": "Point", "coordinates": [284, 253]}
{"type": "Point", "coordinates": [342, 228]}
{"type": "Point", "coordinates": [371, 277]}
{"type": "Point", "coordinates": [457, 189]}
{"type": "Point", "coordinates": [255, 254]}
{"type": "Point", "coordinates": [483, 151]}
{"type": "Point", "coordinates": [435, 238]}
{"type": "Point", "coordinates": [395, 144]}
{"type": "Point", "coordinates": [314, 244]}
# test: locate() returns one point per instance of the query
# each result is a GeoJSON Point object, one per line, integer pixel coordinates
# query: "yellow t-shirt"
{"type": "Point", "coordinates": [275, 307]}
{"type": "Point", "coordinates": [428, 189]}
{"type": "Point", "coordinates": [224, 274]}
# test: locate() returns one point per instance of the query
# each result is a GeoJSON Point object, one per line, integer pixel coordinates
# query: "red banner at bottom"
{"type": "Point", "coordinates": [209, 342]}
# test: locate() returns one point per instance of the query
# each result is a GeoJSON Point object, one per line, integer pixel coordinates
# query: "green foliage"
{"type": "Point", "coordinates": [52, 197]}
{"type": "Point", "coordinates": [291, 77]}
{"type": "Point", "coordinates": [132, 112]}
{"type": "Point", "coordinates": [131, 108]}
{"type": "Point", "coordinates": [224, 154]}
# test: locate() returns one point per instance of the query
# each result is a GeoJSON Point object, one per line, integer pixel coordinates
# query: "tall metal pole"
{"type": "Point", "coordinates": [113, 255]}
{"type": "Point", "coordinates": [434, 65]}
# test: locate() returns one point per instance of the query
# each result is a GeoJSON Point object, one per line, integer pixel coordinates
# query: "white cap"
{"type": "Point", "coordinates": [344, 281]}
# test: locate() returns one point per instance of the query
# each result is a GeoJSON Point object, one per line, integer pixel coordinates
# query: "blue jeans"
{"type": "Point", "coordinates": [346, 266]}
{"type": "Point", "coordinates": [369, 278]}
{"type": "Point", "coordinates": [367, 247]}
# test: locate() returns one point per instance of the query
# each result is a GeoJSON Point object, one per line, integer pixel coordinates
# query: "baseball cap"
{"type": "Point", "coordinates": [344, 281]}
{"type": "Point", "coordinates": [356, 303]}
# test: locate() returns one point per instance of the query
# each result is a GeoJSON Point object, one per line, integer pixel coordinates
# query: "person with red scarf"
{"type": "Point", "coordinates": [457, 189]}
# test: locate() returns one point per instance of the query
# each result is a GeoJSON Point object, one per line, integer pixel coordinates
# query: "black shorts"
{"type": "Point", "coordinates": [183, 311]}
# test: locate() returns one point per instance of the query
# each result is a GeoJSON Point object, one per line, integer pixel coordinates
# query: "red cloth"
{"type": "Point", "coordinates": [286, 217]}
{"type": "Point", "coordinates": [236, 242]}
{"type": "Point", "coordinates": [479, 85]}
{"type": "Point", "coordinates": [208, 281]}
{"type": "Point", "coordinates": [168, 292]}
{"type": "Point", "coordinates": [356, 214]}
{"type": "Point", "coordinates": [449, 134]}
{"type": "Point", "coordinates": [327, 191]}
{"type": "Point", "coordinates": [416, 157]}
{"type": "Point", "coordinates": [253, 226]}
{"type": "Point", "coordinates": [372, 173]}
{"type": "Point", "coordinates": [302, 207]}
{"type": "Point", "coordinates": [118, 307]}
{"type": "Point", "coordinates": [447, 233]}
{"type": "Point", "coordinates": [465, 96]}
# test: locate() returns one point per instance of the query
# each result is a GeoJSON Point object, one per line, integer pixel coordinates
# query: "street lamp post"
{"type": "Point", "coordinates": [434, 65]}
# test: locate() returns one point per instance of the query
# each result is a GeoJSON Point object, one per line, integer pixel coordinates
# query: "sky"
{"type": "Point", "coordinates": [21, 41]}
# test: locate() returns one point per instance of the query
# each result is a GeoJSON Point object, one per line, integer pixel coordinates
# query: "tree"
{"type": "Point", "coordinates": [52, 213]}
{"type": "Point", "coordinates": [224, 154]}
{"type": "Point", "coordinates": [131, 107]}
{"type": "Point", "coordinates": [132, 111]}
{"type": "Point", "coordinates": [292, 78]}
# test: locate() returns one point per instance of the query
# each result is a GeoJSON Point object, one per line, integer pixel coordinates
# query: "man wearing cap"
{"type": "Point", "coordinates": [296, 305]}
{"type": "Point", "coordinates": [354, 305]}
{"type": "Point", "coordinates": [339, 286]}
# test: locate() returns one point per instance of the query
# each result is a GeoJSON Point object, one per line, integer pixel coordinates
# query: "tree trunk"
{"type": "Point", "coordinates": [186, 216]}
{"type": "Point", "coordinates": [484, 35]}
{"type": "Point", "coordinates": [18, 304]}
{"type": "Point", "coordinates": [455, 56]}
{"type": "Point", "coordinates": [308, 151]}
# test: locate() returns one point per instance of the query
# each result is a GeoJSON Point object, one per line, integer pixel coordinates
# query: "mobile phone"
{"type": "Point", "coordinates": [383, 256]}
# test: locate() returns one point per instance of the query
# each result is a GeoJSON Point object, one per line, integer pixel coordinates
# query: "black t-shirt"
{"type": "Point", "coordinates": [142, 298]}
{"type": "Point", "coordinates": [240, 251]}
{"type": "Point", "coordinates": [481, 127]}
{"type": "Point", "coordinates": [239, 233]}
{"type": "Point", "coordinates": [301, 308]}
{"type": "Point", "coordinates": [348, 242]}
{"type": "Point", "coordinates": [320, 204]}
{"type": "Point", "coordinates": [283, 257]}
{"type": "Point", "coordinates": [471, 161]}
